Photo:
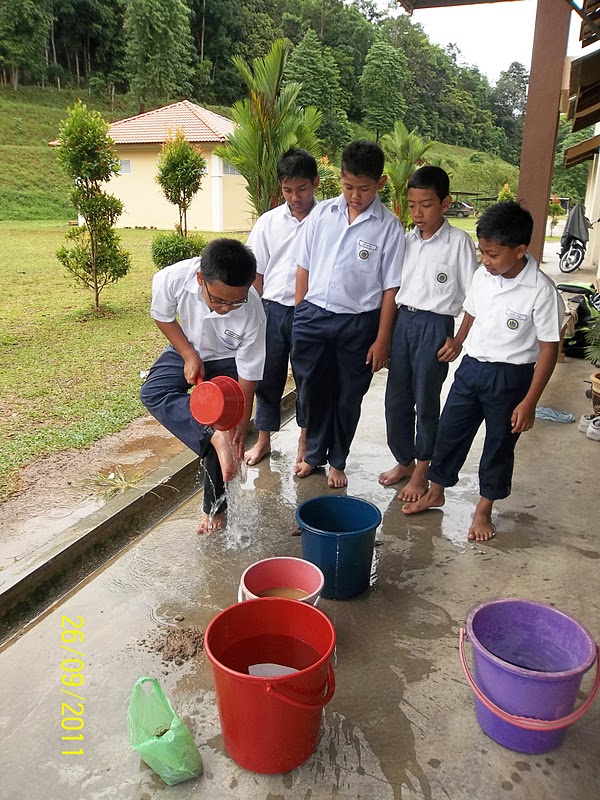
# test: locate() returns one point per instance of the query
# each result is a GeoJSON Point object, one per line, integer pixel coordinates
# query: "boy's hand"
{"type": "Point", "coordinates": [378, 355]}
{"type": "Point", "coordinates": [450, 350]}
{"type": "Point", "coordinates": [523, 417]}
{"type": "Point", "coordinates": [239, 437]}
{"type": "Point", "coordinates": [193, 368]}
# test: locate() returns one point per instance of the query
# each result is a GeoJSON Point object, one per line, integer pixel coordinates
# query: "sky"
{"type": "Point", "coordinates": [491, 36]}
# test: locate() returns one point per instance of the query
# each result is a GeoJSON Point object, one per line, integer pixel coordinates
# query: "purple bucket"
{"type": "Point", "coordinates": [528, 663]}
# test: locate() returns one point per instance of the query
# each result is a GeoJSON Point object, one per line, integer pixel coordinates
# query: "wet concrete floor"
{"type": "Point", "coordinates": [401, 723]}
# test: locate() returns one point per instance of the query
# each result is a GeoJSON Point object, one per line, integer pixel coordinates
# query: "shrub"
{"type": "Point", "coordinates": [87, 155]}
{"type": "Point", "coordinates": [168, 248]}
{"type": "Point", "coordinates": [386, 195]}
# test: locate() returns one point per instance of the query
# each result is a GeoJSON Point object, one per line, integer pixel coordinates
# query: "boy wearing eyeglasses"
{"type": "Point", "coordinates": [215, 323]}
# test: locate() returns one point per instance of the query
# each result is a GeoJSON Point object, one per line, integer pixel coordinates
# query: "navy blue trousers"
{"type": "Point", "coordinates": [269, 390]}
{"type": "Point", "coordinates": [328, 355]}
{"type": "Point", "coordinates": [415, 381]}
{"type": "Point", "coordinates": [165, 395]}
{"type": "Point", "coordinates": [482, 392]}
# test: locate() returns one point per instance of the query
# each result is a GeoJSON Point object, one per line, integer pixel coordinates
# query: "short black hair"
{"type": "Point", "coordinates": [228, 261]}
{"type": "Point", "coordinates": [506, 223]}
{"type": "Point", "coordinates": [434, 178]}
{"type": "Point", "coordinates": [363, 157]}
{"type": "Point", "coordinates": [296, 163]}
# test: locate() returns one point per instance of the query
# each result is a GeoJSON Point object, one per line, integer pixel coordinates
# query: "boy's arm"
{"type": "Point", "coordinates": [239, 435]}
{"type": "Point", "coordinates": [192, 366]}
{"type": "Point", "coordinates": [523, 416]}
{"type": "Point", "coordinates": [301, 284]}
{"type": "Point", "coordinates": [453, 344]}
{"type": "Point", "coordinates": [379, 351]}
{"type": "Point", "coordinates": [259, 282]}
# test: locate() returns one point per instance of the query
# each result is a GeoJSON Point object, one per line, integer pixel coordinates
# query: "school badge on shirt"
{"type": "Point", "coordinates": [365, 249]}
{"type": "Point", "coordinates": [441, 277]}
{"type": "Point", "coordinates": [514, 319]}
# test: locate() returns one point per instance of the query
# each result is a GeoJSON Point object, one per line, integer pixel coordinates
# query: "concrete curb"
{"type": "Point", "coordinates": [32, 583]}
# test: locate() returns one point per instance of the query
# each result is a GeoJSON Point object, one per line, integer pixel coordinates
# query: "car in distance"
{"type": "Point", "coordinates": [459, 209]}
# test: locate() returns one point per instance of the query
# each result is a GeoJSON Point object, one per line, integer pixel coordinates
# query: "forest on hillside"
{"type": "Point", "coordinates": [357, 63]}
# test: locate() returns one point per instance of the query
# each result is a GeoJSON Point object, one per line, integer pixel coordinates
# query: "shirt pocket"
{"type": "Point", "coordinates": [516, 322]}
{"type": "Point", "coordinates": [231, 339]}
{"type": "Point", "coordinates": [442, 277]}
{"type": "Point", "coordinates": [367, 256]}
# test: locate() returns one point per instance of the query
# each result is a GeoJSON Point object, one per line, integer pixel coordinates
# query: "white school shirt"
{"type": "Point", "coordinates": [512, 315]}
{"type": "Point", "coordinates": [437, 272]}
{"type": "Point", "coordinates": [239, 334]}
{"type": "Point", "coordinates": [350, 266]}
{"type": "Point", "coordinates": [274, 242]}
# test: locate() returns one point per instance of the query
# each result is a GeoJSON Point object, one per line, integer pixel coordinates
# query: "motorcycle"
{"type": "Point", "coordinates": [573, 242]}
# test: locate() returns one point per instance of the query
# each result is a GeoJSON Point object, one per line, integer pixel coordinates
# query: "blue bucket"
{"type": "Point", "coordinates": [338, 535]}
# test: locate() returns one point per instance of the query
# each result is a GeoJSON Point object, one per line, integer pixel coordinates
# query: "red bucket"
{"type": "Point", "coordinates": [282, 576]}
{"type": "Point", "coordinates": [219, 402]}
{"type": "Point", "coordinates": [271, 723]}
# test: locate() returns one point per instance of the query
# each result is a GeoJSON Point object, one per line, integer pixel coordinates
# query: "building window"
{"type": "Point", "coordinates": [229, 170]}
{"type": "Point", "coordinates": [125, 167]}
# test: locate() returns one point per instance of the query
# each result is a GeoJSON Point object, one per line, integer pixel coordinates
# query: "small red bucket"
{"type": "Point", "coordinates": [271, 724]}
{"type": "Point", "coordinates": [219, 402]}
{"type": "Point", "coordinates": [282, 576]}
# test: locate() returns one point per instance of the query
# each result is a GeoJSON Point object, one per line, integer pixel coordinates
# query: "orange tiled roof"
{"type": "Point", "coordinates": [198, 124]}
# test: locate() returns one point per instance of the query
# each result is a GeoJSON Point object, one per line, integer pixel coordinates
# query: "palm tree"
{"type": "Point", "coordinates": [592, 336]}
{"type": "Point", "coordinates": [268, 122]}
{"type": "Point", "coordinates": [404, 154]}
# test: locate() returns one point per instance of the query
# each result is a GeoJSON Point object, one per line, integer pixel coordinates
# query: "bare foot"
{"type": "Point", "coordinates": [212, 523]}
{"type": "Point", "coordinates": [302, 469]}
{"type": "Point", "coordinates": [434, 498]}
{"type": "Point", "coordinates": [336, 478]}
{"type": "Point", "coordinates": [413, 491]}
{"type": "Point", "coordinates": [301, 446]}
{"type": "Point", "coordinates": [261, 449]}
{"type": "Point", "coordinates": [395, 474]}
{"type": "Point", "coordinates": [482, 528]}
{"type": "Point", "coordinates": [223, 444]}
{"type": "Point", "coordinates": [417, 485]}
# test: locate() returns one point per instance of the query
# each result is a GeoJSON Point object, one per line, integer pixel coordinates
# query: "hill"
{"type": "Point", "coordinates": [33, 188]}
{"type": "Point", "coordinates": [31, 185]}
{"type": "Point", "coordinates": [474, 171]}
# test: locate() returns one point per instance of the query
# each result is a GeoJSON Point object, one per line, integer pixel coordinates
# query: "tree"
{"type": "Point", "coordinates": [555, 210]}
{"type": "Point", "coordinates": [382, 83]}
{"type": "Point", "coordinates": [269, 122]}
{"type": "Point", "coordinates": [506, 193]}
{"type": "Point", "coordinates": [159, 49]}
{"type": "Point", "coordinates": [426, 73]}
{"type": "Point", "coordinates": [86, 154]}
{"type": "Point", "coordinates": [404, 153]}
{"type": "Point", "coordinates": [508, 101]}
{"type": "Point", "coordinates": [180, 172]}
{"type": "Point", "coordinates": [570, 181]}
{"type": "Point", "coordinates": [314, 68]}
{"type": "Point", "coordinates": [24, 29]}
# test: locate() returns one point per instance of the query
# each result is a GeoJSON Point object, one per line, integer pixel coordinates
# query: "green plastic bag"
{"type": "Point", "coordinates": [159, 736]}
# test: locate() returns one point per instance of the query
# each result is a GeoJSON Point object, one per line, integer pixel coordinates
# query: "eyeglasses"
{"type": "Point", "coordinates": [228, 303]}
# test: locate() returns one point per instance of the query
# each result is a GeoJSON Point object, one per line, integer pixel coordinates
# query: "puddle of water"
{"type": "Point", "coordinates": [25, 536]}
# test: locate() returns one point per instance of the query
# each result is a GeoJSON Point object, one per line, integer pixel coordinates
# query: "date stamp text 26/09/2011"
{"type": "Point", "coordinates": [72, 679]}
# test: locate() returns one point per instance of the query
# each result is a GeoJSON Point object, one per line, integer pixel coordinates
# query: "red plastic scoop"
{"type": "Point", "coordinates": [219, 402]}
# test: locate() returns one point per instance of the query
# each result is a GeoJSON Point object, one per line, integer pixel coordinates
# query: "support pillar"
{"type": "Point", "coordinates": [541, 114]}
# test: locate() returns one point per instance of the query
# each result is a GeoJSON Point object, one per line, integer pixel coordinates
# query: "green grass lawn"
{"type": "Point", "coordinates": [68, 377]}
